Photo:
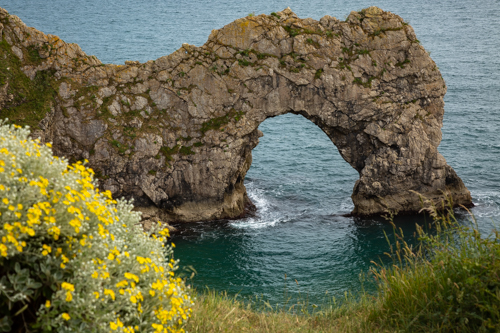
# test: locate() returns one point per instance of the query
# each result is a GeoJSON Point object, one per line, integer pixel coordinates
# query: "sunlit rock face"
{"type": "Point", "coordinates": [177, 133]}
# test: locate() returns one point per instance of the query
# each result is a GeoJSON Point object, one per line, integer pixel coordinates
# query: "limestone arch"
{"type": "Point", "coordinates": [176, 134]}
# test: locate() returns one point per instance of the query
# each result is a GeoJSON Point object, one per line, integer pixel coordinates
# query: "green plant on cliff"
{"type": "Point", "coordinates": [318, 73]}
{"type": "Point", "coordinates": [32, 99]}
{"type": "Point", "coordinates": [218, 122]}
{"type": "Point", "coordinates": [71, 257]}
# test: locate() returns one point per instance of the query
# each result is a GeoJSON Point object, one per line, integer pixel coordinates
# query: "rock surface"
{"type": "Point", "coordinates": [176, 134]}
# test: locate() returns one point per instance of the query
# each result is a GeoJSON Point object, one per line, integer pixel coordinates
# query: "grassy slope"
{"type": "Point", "coordinates": [215, 312]}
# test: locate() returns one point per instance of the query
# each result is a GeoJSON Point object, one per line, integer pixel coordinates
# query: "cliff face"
{"type": "Point", "coordinates": [176, 134]}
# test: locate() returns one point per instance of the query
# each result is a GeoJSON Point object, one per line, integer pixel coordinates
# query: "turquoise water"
{"type": "Point", "coordinates": [298, 181]}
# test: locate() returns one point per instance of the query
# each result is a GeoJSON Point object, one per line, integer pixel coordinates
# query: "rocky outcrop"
{"type": "Point", "coordinates": [177, 133]}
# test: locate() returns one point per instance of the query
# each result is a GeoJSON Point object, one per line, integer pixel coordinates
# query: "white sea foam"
{"type": "Point", "coordinates": [267, 215]}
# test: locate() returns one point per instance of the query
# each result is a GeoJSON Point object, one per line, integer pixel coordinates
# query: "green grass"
{"type": "Point", "coordinates": [219, 312]}
{"type": "Point", "coordinates": [449, 282]}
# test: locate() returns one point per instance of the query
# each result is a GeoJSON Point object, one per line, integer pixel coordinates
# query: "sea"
{"type": "Point", "coordinates": [300, 246]}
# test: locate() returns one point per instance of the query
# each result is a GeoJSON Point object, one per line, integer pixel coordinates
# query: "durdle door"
{"type": "Point", "coordinates": [177, 133]}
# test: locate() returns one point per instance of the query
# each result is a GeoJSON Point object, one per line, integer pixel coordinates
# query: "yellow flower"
{"type": "Point", "coordinates": [131, 276]}
{"type": "Point", "coordinates": [68, 286]}
{"type": "Point", "coordinates": [96, 294]}
{"type": "Point", "coordinates": [113, 326]}
{"type": "Point", "coordinates": [5, 201]}
{"type": "Point", "coordinates": [46, 249]}
{"type": "Point", "coordinates": [110, 292]}
{"type": "Point", "coordinates": [65, 316]}
{"type": "Point", "coordinates": [47, 304]}
{"type": "Point", "coordinates": [69, 297]}
{"type": "Point", "coordinates": [122, 284]}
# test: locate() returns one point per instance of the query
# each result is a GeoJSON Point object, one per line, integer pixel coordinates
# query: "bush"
{"type": "Point", "coordinates": [451, 283]}
{"type": "Point", "coordinates": [72, 258]}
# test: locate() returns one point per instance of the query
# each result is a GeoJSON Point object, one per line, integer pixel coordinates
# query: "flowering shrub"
{"type": "Point", "coordinates": [71, 257]}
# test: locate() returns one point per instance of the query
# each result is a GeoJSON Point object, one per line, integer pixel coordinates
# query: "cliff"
{"type": "Point", "coordinates": [176, 134]}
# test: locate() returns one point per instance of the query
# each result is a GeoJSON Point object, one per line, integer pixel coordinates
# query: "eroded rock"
{"type": "Point", "coordinates": [176, 134]}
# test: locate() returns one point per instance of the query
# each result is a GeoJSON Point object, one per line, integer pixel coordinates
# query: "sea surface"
{"type": "Point", "coordinates": [299, 246]}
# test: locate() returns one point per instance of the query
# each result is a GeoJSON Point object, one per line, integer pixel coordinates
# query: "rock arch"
{"type": "Point", "coordinates": [176, 134]}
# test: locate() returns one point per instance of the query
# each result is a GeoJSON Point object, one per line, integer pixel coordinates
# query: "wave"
{"type": "Point", "coordinates": [268, 213]}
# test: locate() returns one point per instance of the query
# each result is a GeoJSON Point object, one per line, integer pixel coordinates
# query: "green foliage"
{"type": "Point", "coordinates": [402, 64]}
{"type": "Point", "coordinates": [33, 55]}
{"type": "Point", "coordinates": [185, 150]}
{"type": "Point", "coordinates": [348, 51]}
{"type": "Point", "coordinates": [450, 283]}
{"type": "Point", "coordinates": [168, 152]}
{"type": "Point", "coordinates": [359, 81]}
{"type": "Point", "coordinates": [292, 32]}
{"type": "Point", "coordinates": [245, 53]}
{"type": "Point", "coordinates": [217, 123]}
{"type": "Point", "coordinates": [318, 74]}
{"type": "Point", "coordinates": [243, 62]}
{"type": "Point", "coordinates": [313, 43]}
{"type": "Point", "coordinates": [275, 15]}
{"type": "Point", "coordinates": [32, 98]}
{"type": "Point", "coordinates": [71, 257]}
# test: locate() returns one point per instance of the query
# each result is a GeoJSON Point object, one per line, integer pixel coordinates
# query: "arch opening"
{"type": "Point", "coordinates": [296, 170]}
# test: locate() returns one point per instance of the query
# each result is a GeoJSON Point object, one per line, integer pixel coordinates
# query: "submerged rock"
{"type": "Point", "coordinates": [176, 134]}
